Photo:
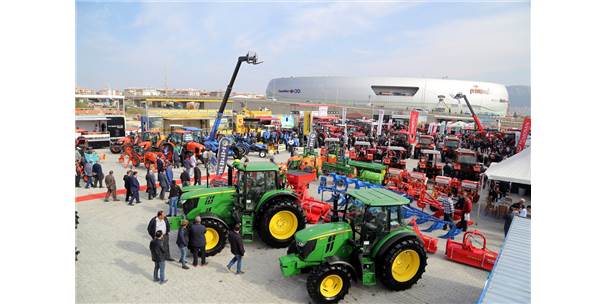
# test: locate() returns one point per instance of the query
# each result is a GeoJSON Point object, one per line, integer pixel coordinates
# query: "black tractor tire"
{"type": "Point", "coordinates": [221, 230]}
{"type": "Point", "coordinates": [384, 267]}
{"type": "Point", "coordinates": [115, 149]}
{"type": "Point", "coordinates": [316, 277]}
{"type": "Point", "coordinates": [267, 214]}
{"type": "Point", "coordinates": [262, 153]}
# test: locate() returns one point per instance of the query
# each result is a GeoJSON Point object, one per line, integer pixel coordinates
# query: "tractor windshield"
{"type": "Point", "coordinates": [452, 143]}
{"type": "Point", "coordinates": [425, 140]}
{"type": "Point", "coordinates": [468, 159]}
{"type": "Point", "coordinates": [187, 137]}
{"type": "Point", "coordinates": [375, 223]}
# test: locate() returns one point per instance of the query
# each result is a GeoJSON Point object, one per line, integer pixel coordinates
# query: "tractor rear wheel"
{"type": "Point", "coordinates": [328, 283]}
{"type": "Point", "coordinates": [280, 221]}
{"type": "Point", "coordinates": [403, 265]}
{"type": "Point", "coordinates": [115, 149]}
{"type": "Point", "coordinates": [216, 236]}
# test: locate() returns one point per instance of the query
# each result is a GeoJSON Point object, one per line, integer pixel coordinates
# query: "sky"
{"type": "Point", "coordinates": [196, 44]}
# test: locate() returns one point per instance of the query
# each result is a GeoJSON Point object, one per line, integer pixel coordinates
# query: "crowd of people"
{"type": "Point", "coordinates": [190, 237]}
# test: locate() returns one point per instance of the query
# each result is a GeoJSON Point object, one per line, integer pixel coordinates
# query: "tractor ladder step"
{"type": "Point", "coordinates": [247, 228]}
{"type": "Point", "coordinates": [368, 271]}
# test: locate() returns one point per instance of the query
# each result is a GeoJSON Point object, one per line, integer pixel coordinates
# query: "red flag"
{"type": "Point", "coordinates": [412, 127]}
{"type": "Point", "coordinates": [524, 134]}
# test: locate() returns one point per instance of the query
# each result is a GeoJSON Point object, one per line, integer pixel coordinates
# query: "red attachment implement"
{"type": "Point", "coordinates": [469, 254]}
{"type": "Point", "coordinates": [430, 243]}
{"type": "Point", "coordinates": [299, 181]}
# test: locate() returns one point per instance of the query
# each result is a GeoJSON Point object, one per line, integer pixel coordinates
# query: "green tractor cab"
{"type": "Point", "coordinates": [366, 240]}
{"type": "Point", "coordinates": [254, 198]}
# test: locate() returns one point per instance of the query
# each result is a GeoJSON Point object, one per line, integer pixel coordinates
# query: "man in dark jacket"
{"type": "Point", "coordinates": [164, 184]}
{"type": "Point", "coordinates": [151, 185]}
{"type": "Point", "coordinates": [173, 198]}
{"type": "Point", "coordinates": [134, 188]}
{"type": "Point", "coordinates": [185, 178]}
{"type": "Point", "coordinates": [126, 180]}
{"type": "Point", "coordinates": [158, 256]}
{"type": "Point", "coordinates": [197, 241]}
{"type": "Point", "coordinates": [237, 249]}
{"type": "Point", "coordinates": [197, 175]}
{"type": "Point", "coordinates": [98, 172]}
{"type": "Point", "coordinates": [182, 242]}
{"type": "Point", "coordinates": [160, 165]}
{"type": "Point", "coordinates": [509, 218]}
{"type": "Point", "coordinates": [160, 223]}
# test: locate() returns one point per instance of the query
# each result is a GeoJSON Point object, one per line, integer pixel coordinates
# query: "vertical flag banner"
{"type": "Point", "coordinates": [307, 123]}
{"type": "Point", "coordinates": [524, 134]}
{"type": "Point", "coordinates": [344, 120]}
{"type": "Point", "coordinates": [380, 122]}
{"type": "Point", "coordinates": [224, 143]}
{"type": "Point", "coordinates": [412, 126]}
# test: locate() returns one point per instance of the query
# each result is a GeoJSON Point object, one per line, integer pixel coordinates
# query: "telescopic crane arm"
{"type": "Point", "coordinates": [473, 114]}
{"type": "Point", "coordinates": [249, 58]}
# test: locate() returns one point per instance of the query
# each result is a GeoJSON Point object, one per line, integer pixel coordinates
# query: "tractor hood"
{"type": "Point", "coordinates": [206, 191]}
{"type": "Point", "coordinates": [321, 230]}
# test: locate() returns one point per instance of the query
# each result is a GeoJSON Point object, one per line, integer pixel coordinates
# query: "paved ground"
{"type": "Point", "coordinates": [115, 265]}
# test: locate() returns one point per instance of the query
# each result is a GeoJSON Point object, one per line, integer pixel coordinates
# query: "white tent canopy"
{"type": "Point", "coordinates": [515, 169]}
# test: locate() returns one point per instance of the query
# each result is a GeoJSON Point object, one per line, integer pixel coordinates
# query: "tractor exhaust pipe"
{"type": "Point", "coordinates": [335, 210]}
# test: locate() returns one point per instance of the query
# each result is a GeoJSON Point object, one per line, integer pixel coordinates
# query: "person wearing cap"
{"type": "Point", "coordinates": [197, 241]}
{"type": "Point", "coordinates": [182, 242]}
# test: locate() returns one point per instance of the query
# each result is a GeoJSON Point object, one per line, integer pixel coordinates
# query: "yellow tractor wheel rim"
{"type": "Point", "coordinates": [405, 265]}
{"type": "Point", "coordinates": [331, 286]}
{"type": "Point", "coordinates": [212, 238]}
{"type": "Point", "coordinates": [283, 225]}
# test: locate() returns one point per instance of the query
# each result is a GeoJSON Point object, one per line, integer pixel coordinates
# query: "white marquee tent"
{"type": "Point", "coordinates": [515, 169]}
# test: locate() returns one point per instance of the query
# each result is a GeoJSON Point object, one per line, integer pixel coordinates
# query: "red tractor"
{"type": "Point", "coordinates": [360, 151]}
{"type": "Point", "coordinates": [395, 157]}
{"type": "Point", "coordinates": [466, 165]}
{"type": "Point", "coordinates": [150, 140]}
{"type": "Point", "coordinates": [425, 142]}
{"type": "Point", "coordinates": [449, 147]}
{"type": "Point", "coordinates": [430, 163]}
{"type": "Point", "coordinates": [185, 140]}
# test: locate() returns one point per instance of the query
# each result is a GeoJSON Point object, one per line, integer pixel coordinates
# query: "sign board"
{"type": "Point", "coordinates": [344, 122]}
{"type": "Point", "coordinates": [412, 126]}
{"type": "Point", "coordinates": [224, 143]}
{"type": "Point", "coordinates": [524, 134]}
{"type": "Point", "coordinates": [380, 122]}
{"type": "Point", "coordinates": [322, 111]}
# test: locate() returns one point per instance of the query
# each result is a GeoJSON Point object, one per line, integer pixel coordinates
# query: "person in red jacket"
{"type": "Point", "coordinates": [467, 206]}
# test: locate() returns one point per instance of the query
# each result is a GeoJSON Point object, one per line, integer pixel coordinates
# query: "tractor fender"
{"type": "Point", "coordinates": [214, 217]}
{"type": "Point", "coordinates": [391, 239]}
{"type": "Point", "coordinates": [335, 260]}
{"type": "Point", "coordinates": [270, 195]}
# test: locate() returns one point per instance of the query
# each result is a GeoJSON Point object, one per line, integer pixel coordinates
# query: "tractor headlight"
{"type": "Point", "coordinates": [305, 249]}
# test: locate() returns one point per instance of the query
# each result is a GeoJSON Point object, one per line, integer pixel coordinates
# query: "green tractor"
{"type": "Point", "coordinates": [254, 197]}
{"type": "Point", "coordinates": [366, 240]}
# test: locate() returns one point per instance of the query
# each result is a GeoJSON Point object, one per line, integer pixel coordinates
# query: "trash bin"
{"type": "Point", "coordinates": [521, 191]}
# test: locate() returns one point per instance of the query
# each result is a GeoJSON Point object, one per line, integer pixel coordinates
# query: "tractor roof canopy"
{"type": "Point", "coordinates": [378, 197]}
{"type": "Point", "coordinates": [255, 166]}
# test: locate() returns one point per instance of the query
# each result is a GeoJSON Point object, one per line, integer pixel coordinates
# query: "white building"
{"type": "Point", "coordinates": [393, 92]}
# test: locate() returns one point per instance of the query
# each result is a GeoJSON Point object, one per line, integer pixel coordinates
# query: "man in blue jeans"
{"type": "Point", "coordinates": [237, 249]}
{"type": "Point", "coordinates": [182, 242]}
{"type": "Point", "coordinates": [158, 256]}
{"type": "Point", "coordinates": [173, 197]}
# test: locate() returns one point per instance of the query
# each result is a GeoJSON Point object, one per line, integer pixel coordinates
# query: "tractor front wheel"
{"type": "Point", "coordinates": [115, 149]}
{"type": "Point", "coordinates": [262, 154]}
{"type": "Point", "coordinates": [328, 283]}
{"type": "Point", "coordinates": [280, 221]}
{"type": "Point", "coordinates": [216, 236]}
{"type": "Point", "coordinates": [403, 265]}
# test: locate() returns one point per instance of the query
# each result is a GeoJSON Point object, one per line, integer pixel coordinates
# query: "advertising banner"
{"type": "Point", "coordinates": [380, 122]}
{"type": "Point", "coordinates": [412, 126]}
{"type": "Point", "coordinates": [344, 121]}
{"type": "Point", "coordinates": [524, 134]}
{"type": "Point", "coordinates": [224, 143]}
{"type": "Point", "coordinates": [322, 111]}
{"type": "Point", "coordinates": [307, 122]}
{"type": "Point", "coordinates": [311, 140]}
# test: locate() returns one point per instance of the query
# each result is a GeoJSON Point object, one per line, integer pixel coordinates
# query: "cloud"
{"type": "Point", "coordinates": [490, 48]}
{"type": "Point", "coordinates": [335, 20]}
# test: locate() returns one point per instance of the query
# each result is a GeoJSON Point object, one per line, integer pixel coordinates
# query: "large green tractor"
{"type": "Point", "coordinates": [366, 240]}
{"type": "Point", "coordinates": [254, 198]}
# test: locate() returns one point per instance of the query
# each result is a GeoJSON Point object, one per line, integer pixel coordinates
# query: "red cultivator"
{"type": "Point", "coordinates": [299, 182]}
{"type": "Point", "coordinates": [430, 243]}
{"type": "Point", "coordinates": [469, 254]}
